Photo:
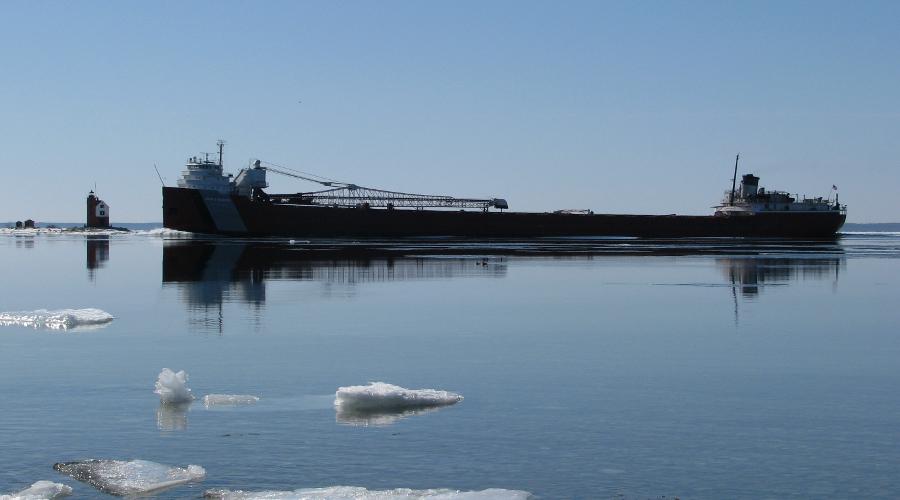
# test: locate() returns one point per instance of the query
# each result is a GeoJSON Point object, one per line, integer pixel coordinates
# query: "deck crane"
{"type": "Point", "coordinates": [345, 194]}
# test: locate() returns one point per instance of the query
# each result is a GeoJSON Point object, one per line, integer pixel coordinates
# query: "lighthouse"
{"type": "Point", "coordinates": [97, 212]}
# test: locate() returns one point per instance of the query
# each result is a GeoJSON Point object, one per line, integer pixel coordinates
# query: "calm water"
{"type": "Point", "coordinates": [702, 369]}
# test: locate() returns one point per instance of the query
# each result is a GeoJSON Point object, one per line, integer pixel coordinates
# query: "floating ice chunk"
{"type": "Point", "coordinates": [8, 231]}
{"type": "Point", "coordinates": [172, 387]}
{"type": "Point", "coordinates": [359, 493]}
{"type": "Point", "coordinates": [41, 490]}
{"type": "Point", "coordinates": [119, 477]}
{"type": "Point", "coordinates": [63, 319]}
{"type": "Point", "coordinates": [229, 399]}
{"type": "Point", "coordinates": [163, 233]}
{"type": "Point", "coordinates": [81, 231]}
{"type": "Point", "coordinates": [382, 397]}
{"type": "Point", "coordinates": [62, 231]}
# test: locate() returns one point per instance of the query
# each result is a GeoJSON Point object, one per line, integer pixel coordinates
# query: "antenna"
{"type": "Point", "coordinates": [734, 179]}
{"type": "Point", "coordinates": [221, 144]}
{"type": "Point", "coordinates": [157, 174]}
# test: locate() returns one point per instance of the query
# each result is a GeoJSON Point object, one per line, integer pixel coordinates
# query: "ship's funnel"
{"type": "Point", "coordinates": [749, 185]}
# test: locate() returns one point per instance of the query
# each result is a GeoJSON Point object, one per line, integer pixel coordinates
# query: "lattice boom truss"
{"type": "Point", "coordinates": [354, 196]}
{"type": "Point", "coordinates": [344, 194]}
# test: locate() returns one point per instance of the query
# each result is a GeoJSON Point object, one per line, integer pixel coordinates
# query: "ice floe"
{"type": "Point", "coordinates": [172, 387]}
{"type": "Point", "coordinates": [41, 490]}
{"type": "Point", "coordinates": [872, 233]}
{"type": "Point", "coordinates": [160, 232]}
{"type": "Point", "coordinates": [229, 399]}
{"type": "Point", "coordinates": [382, 397]}
{"type": "Point", "coordinates": [62, 231]}
{"type": "Point", "coordinates": [359, 493]}
{"type": "Point", "coordinates": [133, 477]}
{"type": "Point", "coordinates": [62, 319]}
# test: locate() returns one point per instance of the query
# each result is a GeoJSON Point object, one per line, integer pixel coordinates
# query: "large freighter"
{"type": "Point", "coordinates": [209, 201]}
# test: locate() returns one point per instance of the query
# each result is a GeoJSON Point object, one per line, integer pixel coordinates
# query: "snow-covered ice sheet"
{"type": "Point", "coordinates": [172, 387]}
{"type": "Point", "coordinates": [229, 400]}
{"type": "Point", "coordinates": [163, 232]}
{"type": "Point", "coordinates": [382, 397]}
{"type": "Point", "coordinates": [359, 493]}
{"type": "Point", "coordinates": [872, 233]}
{"type": "Point", "coordinates": [59, 231]}
{"type": "Point", "coordinates": [133, 477]}
{"type": "Point", "coordinates": [41, 490]}
{"type": "Point", "coordinates": [62, 319]}
{"type": "Point", "coordinates": [56, 231]}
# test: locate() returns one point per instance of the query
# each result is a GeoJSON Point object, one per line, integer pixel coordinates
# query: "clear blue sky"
{"type": "Point", "coordinates": [631, 107]}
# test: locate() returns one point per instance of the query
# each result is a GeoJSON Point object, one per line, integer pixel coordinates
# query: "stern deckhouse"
{"type": "Point", "coordinates": [752, 199]}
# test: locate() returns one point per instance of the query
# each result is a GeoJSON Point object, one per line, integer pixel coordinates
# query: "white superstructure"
{"type": "Point", "coordinates": [751, 199]}
{"type": "Point", "coordinates": [207, 175]}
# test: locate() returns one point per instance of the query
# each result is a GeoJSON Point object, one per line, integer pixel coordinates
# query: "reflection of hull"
{"type": "Point", "coordinates": [203, 212]}
{"type": "Point", "coordinates": [253, 263]}
{"type": "Point", "coordinates": [208, 274]}
{"type": "Point", "coordinates": [753, 273]}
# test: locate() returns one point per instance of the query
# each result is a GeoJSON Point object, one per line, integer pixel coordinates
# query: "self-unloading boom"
{"type": "Point", "coordinates": [346, 195]}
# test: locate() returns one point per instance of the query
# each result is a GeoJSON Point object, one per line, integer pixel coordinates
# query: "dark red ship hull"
{"type": "Point", "coordinates": [205, 212]}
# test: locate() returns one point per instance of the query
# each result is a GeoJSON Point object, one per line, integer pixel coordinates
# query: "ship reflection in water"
{"type": "Point", "coordinates": [208, 273]}
{"type": "Point", "coordinates": [750, 275]}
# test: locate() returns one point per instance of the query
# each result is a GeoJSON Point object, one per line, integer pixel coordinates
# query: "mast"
{"type": "Point", "coordinates": [221, 145]}
{"type": "Point", "coordinates": [734, 179]}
